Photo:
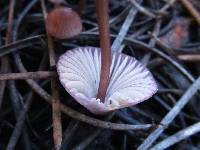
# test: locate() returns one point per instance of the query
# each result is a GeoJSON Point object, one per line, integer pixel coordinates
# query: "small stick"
{"type": "Point", "coordinates": [103, 23]}
{"type": "Point", "coordinates": [171, 115]}
{"type": "Point", "coordinates": [4, 61]}
{"type": "Point", "coordinates": [69, 133]}
{"type": "Point", "coordinates": [191, 10]}
{"type": "Point", "coordinates": [124, 29]}
{"type": "Point", "coordinates": [56, 114]}
{"type": "Point", "coordinates": [142, 9]}
{"type": "Point", "coordinates": [190, 57]}
{"type": "Point", "coordinates": [19, 125]}
{"type": "Point", "coordinates": [87, 141]}
{"type": "Point", "coordinates": [20, 122]}
{"type": "Point", "coordinates": [161, 44]}
{"type": "Point", "coordinates": [187, 58]}
{"type": "Point", "coordinates": [114, 20]}
{"type": "Point", "coordinates": [152, 41]}
{"type": "Point", "coordinates": [177, 137]}
{"type": "Point", "coordinates": [20, 44]}
{"type": "Point", "coordinates": [27, 75]}
{"type": "Point", "coordinates": [14, 93]}
{"type": "Point", "coordinates": [168, 4]}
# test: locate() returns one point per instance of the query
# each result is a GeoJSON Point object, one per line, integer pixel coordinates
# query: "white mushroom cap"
{"type": "Point", "coordinates": [130, 81]}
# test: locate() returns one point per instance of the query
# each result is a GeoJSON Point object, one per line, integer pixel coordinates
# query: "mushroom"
{"type": "Point", "coordinates": [63, 23]}
{"type": "Point", "coordinates": [130, 82]}
{"type": "Point", "coordinates": [103, 81]}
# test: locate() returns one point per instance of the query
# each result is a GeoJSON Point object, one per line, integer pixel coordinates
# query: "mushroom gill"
{"type": "Point", "coordinates": [130, 81]}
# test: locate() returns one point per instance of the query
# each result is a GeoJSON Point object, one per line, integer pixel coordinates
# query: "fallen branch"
{"type": "Point", "coordinates": [124, 29]}
{"type": "Point", "coordinates": [181, 135]}
{"type": "Point", "coordinates": [56, 113]}
{"type": "Point", "coordinates": [27, 75]}
{"type": "Point", "coordinates": [191, 10]}
{"type": "Point", "coordinates": [171, 115]}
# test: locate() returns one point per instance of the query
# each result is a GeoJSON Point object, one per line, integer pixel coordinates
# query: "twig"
{"type": "Point", "coordinates": [187, 57]}
{"type": "Point", "coordinates": [92, 136]}
{"type": "Point", "coordinates": [19, 125]}
{"type": "Point", "coordinates": [56, 114]}
{"type": "Point", "coordinates": [5, 68]}
{"type": "Point", "coordinates": [22, 116]}
{"type": "Point", "coordinates": [161, 44]}
{"type": "Point", "coordinates": [10, 21]}
{"type": "Point", "coordinates": [68, 133]}
{"type": "Point", "coordinates": [88, 140]}
{"type": "Point", "coordinates": [17, 107]}
{"type": "Point", "coordinates": [177, 137]}
{"type": "Point", "coordinates": [171, 115]}
{"type": "Point", "coordinates": [23, 43]}
{"type": "Point", "coordinates": [122, 115]}
{"type": "Point", "coordinates": [152, 41]}
{"type": "Point", "coordinates": [191, 10]}
{"type": "Point", "coordinates": [115, 19]}
{"type": "Point", "coordinates": [57, 126]}
{"type": "Point", "coordinates": [124, 29]}
{"type": "Point", "coordinates": [175, 91]}
{"type": "Point", "coordinates": [169, 3]}
{"type": "Point", "coordinates": [140, 31]}
{"type": "Point", "coordinates": [172, 53]}
{"type": "Point", "coordinates": [190, 57]}
{"type": "Point", "coordinates": [15, 95]}
{"type": "Point", "coordinates": [155, 32]}
{"type": "Point", "coordinates": [142, 9]}
{"type": "Point", "coordinates": [27, 75]}
{"type": "Point", "coordinates": [21, 17]}
{"type": "Point", "coordinates": [4, 60]}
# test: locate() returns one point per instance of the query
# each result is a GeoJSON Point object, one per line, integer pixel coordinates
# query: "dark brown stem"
{"type": "Point", "coordinates": [103, 23]}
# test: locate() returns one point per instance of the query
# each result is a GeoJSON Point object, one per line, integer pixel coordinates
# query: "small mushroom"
{"type": "Point", "coordinates": [63, 23]}
{"type": "Point", "coordinates": [130, 81]}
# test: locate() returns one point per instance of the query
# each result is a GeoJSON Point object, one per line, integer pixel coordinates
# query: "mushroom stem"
{"type": "Point", "coordinates": [103, 24]}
